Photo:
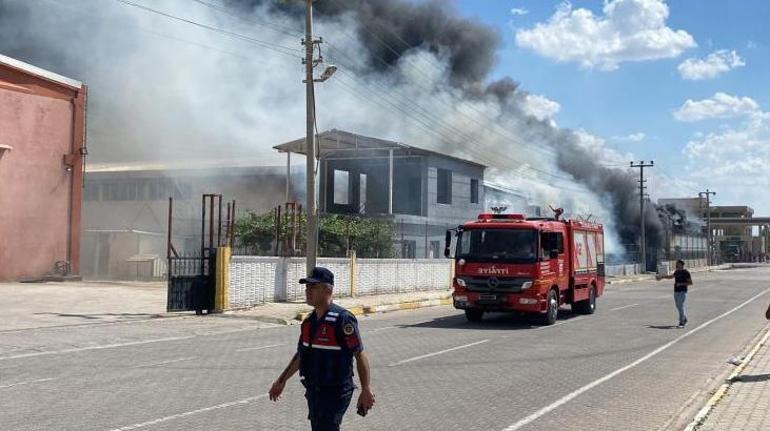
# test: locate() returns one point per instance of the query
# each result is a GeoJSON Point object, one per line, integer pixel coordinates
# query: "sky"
{"type": "Point", "coordinates": [680, 82]}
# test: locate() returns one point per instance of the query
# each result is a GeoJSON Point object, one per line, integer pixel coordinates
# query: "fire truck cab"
{"type": "Point", "coordinates": [506, 262]}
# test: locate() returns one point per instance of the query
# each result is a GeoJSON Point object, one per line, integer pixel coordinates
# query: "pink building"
{"type": "Point", "coordinates": [42, 151]}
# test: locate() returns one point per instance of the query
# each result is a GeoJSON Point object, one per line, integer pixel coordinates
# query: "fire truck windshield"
{"type": "Point", "coordinates": [498, 245]}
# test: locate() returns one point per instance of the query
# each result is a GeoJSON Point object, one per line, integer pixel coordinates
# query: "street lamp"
{"type": "Point", "coordinates": [330, 69]}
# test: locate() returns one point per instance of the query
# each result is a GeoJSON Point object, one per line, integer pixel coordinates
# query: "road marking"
{"type": "Point", "coordinates": [170, 361]}
{"type": "Point", "coordinates": [565, 399]}
{"type": "Point", "coordinates": [382, 329]}
{"type": "Point", "coordinates": [625, 306]}
{"type": "Point", "coordinates": [436, 353]}
{"type": "Point", "coordinates": [83, 349]}
{"type": "Point", "coordinates": [27, 383]}
{"type": "Point", "coordinates": [190, 413]}
{"type": "Point", "coordinates": [249, 349]}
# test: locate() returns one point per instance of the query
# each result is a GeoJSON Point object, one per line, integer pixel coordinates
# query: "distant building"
{"type": "Point", "coordinates": [423, 192]}
{"type": "Point", "coordinates": [125, 214]}
{"type": "Point", "coordinates": [42, 146]}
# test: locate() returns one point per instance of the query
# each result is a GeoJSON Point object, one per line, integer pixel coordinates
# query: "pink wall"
{"type": "Point", "coordinates": [35, 188]}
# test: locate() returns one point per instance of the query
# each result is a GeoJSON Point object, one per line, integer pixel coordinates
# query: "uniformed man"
{"type": "Point", "coordinates": [329, 341]}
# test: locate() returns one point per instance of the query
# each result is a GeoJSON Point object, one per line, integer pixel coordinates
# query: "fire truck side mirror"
{"type": "Point", "coordinates": [448, 244]}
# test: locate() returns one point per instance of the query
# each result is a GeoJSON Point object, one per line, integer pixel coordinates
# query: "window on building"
{"type": "Point", "coordinates": [444, 186]}
{"type": "Point", "coordinates": [362, 193]}
{"type": "Point", "coordinates": [474, 191]}
{"type": "Point", "coordinates": [341, 187]}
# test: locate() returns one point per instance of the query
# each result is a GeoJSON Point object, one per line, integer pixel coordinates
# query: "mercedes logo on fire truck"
{"type": "Point", "coordinates": [493, 282]}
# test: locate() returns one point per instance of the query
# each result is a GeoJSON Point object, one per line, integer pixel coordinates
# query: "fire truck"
{"type": "Point", "coordinates": [507, 262]}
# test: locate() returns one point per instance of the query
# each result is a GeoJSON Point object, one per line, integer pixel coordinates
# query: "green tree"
{"type": "Point", "coordinates": [337, 234]}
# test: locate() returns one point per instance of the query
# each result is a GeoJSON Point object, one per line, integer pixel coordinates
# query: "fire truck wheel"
{"type": "Point", "coordinates": [587, 306]}
{"type": "Point", "coordinates": [552, 313]}
{"type": "Point", "coordinates": [474, 315]}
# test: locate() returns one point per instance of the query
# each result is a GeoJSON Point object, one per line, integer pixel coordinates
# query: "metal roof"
{"type": "Point", "coordinates": [337, 143]}
{"type": "Point", "coordinates": [182, 165]}
{"type": "Point", "coordinates": [39, 72]}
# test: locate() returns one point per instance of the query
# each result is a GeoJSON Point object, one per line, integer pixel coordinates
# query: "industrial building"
{"type": "Point", "coordinates": [42, 152]}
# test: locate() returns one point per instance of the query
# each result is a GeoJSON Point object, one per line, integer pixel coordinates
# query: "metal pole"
{"type": "Point", "coordinates": [312, 211]}
{"type": "Point", "coordinates": [390, 181]}
{"type": "Point", "coordinates": [219, 222]}
{"type": "Point", "coordinates": [708, 193]}
{"type": "Point", "coordinates": [168, 234]}
{"type": "Point", "coordinates": [232, 223]}
{"type": "Point", "coordinates": [642, 239]}
{"type": "Point", "coordinates": [288, 176]}
{"type": "Point", "coordinates": [203, 223]}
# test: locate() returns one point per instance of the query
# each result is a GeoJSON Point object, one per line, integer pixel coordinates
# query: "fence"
{"type": "Point", "coordinates": [255, 280]}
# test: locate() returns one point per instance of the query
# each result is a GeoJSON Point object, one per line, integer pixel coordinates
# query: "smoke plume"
{"type": "Point", "coordinates": [414, 72]}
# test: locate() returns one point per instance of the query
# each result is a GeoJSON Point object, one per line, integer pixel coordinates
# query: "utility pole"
{"type": "Point", "coordinates": [310, 149]}
{"type": "Point", "coordinates": [312, 211]}
{"type": "Point", "coordinates": [642, 240]}
{"type": "Point", "coordinates": [710, 256]}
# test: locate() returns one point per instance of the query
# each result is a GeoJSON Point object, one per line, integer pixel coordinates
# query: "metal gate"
{"type": "Point", "coordinates": [192, 278]}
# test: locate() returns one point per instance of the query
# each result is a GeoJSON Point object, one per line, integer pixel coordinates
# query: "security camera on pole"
{"type": "Point", "coordinates": [310, 150]}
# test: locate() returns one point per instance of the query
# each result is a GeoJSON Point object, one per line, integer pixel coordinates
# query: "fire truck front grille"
{"type": "Point", "coordinates": [494, 284]}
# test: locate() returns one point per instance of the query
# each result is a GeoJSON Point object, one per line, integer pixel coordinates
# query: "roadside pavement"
{"type": "Point", "coordinates": [36, 305]}
{"type": "Point", "coordinates": [742, 401]}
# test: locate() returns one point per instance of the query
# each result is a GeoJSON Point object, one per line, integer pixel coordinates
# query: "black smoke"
{"type": "Point", "coordinates": [388, 30]}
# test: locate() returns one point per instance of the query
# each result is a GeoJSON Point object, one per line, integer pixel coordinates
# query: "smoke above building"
{"type": "Point", "coordinates": [208, 79]}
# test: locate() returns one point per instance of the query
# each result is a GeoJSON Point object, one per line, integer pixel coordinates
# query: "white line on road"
{"type": "Point", "coordinates": [248, 349]}
{"type": "Point", "coordinates": [27, 383]}
{"type": "Point", "coordinates": [83, 349]}
{"type": "Point", "coordinates": [436, 353]}
{"type": "Point", "coordinates": [190, 413]}
{"type": "Point", "coordinates": [170, 361]}
{"type": "Point", "coordinates": [565, 399]}
{"type": "Point", "coordinates": [623, 307]}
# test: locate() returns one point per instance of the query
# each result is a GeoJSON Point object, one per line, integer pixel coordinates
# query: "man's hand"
{"type": "Point", "coordinates": [366, 399]}
{"type": "Point", "coordinates": [276, 390]}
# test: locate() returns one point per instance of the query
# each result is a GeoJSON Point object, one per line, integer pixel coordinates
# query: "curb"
{"type": "Point", "coordinates": [363, 310]}
{"type": "Point", "coordinates": [700, 418]}
{"type": "Point", "coordinates": [630, 280]}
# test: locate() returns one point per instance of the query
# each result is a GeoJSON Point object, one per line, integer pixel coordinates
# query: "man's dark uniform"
{"type": "Point", "coordinates": [326, 348]}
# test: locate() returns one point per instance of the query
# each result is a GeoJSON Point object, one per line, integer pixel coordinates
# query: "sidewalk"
{"type": "Point", "coordinates": [651, 276]}
{"type": "Point", "coordinates": [35, 305]}
{"type": "Point", "coordinates": [289, 313]}
{"type": "Point", "coordinates": [742, 402]}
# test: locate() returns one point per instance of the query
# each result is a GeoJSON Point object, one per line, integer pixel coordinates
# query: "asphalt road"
{"type": "Point", "coordinates": [623, 368]}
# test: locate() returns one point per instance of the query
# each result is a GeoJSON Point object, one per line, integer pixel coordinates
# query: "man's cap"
{"type": "Point", "coordinates": [319, 275]}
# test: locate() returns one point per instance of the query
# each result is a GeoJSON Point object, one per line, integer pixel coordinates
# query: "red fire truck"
{"type": "Point", "coordinates": [506, 262]}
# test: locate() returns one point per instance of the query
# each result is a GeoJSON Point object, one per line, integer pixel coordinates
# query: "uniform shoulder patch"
{"type": "Point", "coordinates": [348, 329]}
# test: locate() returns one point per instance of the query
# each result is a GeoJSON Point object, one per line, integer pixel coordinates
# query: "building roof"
{"type": "Point", "coordinates": [40, 73]}
{"type": "Point", "coordinates": [182, 165]}
{"type": "Point", "coordinates": [335, 143]}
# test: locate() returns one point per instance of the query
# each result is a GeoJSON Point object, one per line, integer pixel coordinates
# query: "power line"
{"type": "Point", "coordinates": [416, 108]}
{"type": "Point", "coordinates": [280, 48]}
{"type": "Point", "coordinates": [265, 44]}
